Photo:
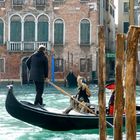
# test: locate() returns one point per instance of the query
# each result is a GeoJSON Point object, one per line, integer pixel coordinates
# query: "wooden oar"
{"type": "Point", "coordinates": [67, 94]}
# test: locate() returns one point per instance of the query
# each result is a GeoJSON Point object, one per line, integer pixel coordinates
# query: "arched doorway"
{"type": "Point", "coordinates": [25, 72]}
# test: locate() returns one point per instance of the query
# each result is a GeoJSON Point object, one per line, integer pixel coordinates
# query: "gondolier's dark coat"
{"type": "Point", "coordinates": [37, 63]}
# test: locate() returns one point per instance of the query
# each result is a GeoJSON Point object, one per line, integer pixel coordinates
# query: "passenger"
{"type": "Point", "coordinates": [83, 93]}
{"type": "Point", "coordinates": [111, 103]}
{"type": "Point", "coordinates": [83, 88]}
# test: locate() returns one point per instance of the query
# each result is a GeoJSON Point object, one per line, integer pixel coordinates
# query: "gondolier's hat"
{"type": "Point", "coordinates": [41, 48]}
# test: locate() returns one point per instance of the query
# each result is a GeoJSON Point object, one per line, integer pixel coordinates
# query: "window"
{"type": "Point", "coordinates": [84, 0]}
{"type": "Point", "coordinates": [58, 65]}
{"type": "Point", "coordinates": [58, 0]}
{"type": "Point", "coordinates": [29, 29]}
{"type": "Point", "coordinates": [107, 5]}
{"type": "Point", "coordinates": [126, 7]}
{"type": "Point", "coordinates": [110, 9]}
{"type": "Point", "coordinates": [125, 27]}
{"type": "Point", "coordinates": [85, 65]}
{"type": "Point", "coordinates": [40, 2]}
{"type": "Point", "coordinates": [2, 65]}
{"type": "Point", "coordinates": [113, 13]}
{"type": "Point", "coordinates": [1, 31]}
{"type": "Point", "coordinates": [42, 29]}
{"type": "Point", "coordinates": [2, 0]}
{"type": "Point", "coordinates": [15, 29]}
{"type": "Point", "coordinates": [58, 32]}
{"type": "Point", "coordinates": [18, 2]}
{"type": "Point", "coordinates": [84, 32]}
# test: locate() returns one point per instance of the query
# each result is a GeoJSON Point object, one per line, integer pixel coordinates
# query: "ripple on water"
{"type": "Point", "coordinates": [13, 129]}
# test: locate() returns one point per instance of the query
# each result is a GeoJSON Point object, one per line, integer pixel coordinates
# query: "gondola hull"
{"type": "Point", "coordinates": [31, 114]}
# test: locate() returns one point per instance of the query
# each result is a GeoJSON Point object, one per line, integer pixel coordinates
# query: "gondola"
{"type": "Point", "coordinates": [40, 116]}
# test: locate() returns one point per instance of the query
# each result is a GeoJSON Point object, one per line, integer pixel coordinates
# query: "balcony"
{"type": "Point", "coordinates": [24, 46]}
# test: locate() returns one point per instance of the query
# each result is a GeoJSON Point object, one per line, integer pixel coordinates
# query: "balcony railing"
{"type": "Point", "coordinates": [25, 46]}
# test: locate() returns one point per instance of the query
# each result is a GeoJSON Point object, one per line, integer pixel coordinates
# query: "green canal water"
{"type": "Point", "coordinates": [13, 129]}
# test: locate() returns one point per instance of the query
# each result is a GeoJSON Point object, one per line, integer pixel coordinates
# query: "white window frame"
{"type": "Point", "coordinates": [63, 29]}
{"type": "Point", "coordinates": [124, 9]}
{"type": "Point", "coordinates": [80, 30]}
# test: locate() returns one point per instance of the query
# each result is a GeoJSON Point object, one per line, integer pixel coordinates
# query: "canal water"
{"type": "Point", "coordinates": [13, 129]}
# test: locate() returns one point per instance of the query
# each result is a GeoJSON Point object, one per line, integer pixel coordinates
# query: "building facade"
{"type": "Point", "coordinates": [123, 16]}
{"type": "Point", "coordinates": [110, 32]}
{"type": "Point", "coordinates": [124, 20]}
{"type": "Point", "coordinates": [68, 29]}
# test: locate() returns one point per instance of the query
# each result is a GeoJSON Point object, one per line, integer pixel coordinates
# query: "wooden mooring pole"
{"type": "Point", "coordinates": [119, 102]}
{"type": "Point", "coordinates": [130, 82]}
{"type": "Point", "coordinates": [101, 83]}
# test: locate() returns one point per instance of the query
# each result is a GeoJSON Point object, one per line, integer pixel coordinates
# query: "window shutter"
{"type": "Point", "coordinates": [58, 32]}
{"type": "Point", "coordinates": [85, 33]}
{"type": "Point", "coordinates": [43, 31]}
{"type": "Point", "coordinates": [29, 31]}
{"type": "Point", "coordinates": [1, 32]}
{"type": "Point", "coordinates": [15, 32]}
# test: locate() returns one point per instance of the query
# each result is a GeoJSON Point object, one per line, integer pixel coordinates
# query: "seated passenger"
{"type": "Point", "coordinates": [111, 103]}
{"type": "Point", "coordinates": [83, 93]}
{"type": "Point", "coordinates": [83, 89]}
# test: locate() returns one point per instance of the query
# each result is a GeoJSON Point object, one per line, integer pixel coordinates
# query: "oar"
{"type": "Point", "coordinates": [67, 94]}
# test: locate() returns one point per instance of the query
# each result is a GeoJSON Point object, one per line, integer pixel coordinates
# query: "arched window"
{"type": "Point", "coordinates": [15, 28]}
{"type": "Point", "coordinates": [58, 32]}
{"type": "Point", "coordinates": [29, 29]}
{"type": "Point", "coordinates": [84, 32]}
{"type": "Point", "coordinates": [1, 31]}
{"type": "Point", "coordinates": [42, 29]}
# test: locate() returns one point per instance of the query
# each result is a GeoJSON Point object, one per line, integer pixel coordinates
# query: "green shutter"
{"type": "Point", "coordinates": [58, 33]}
{"type": "Point", "coordinates": [1, 32]}
{"type": "Point", "coordinates": [43, 31]}
{"type": "Point", "coordinates": [85, 33]}
{"type": "Point", "coordinates": [126, 27]}
{"type": "Point", "coordinates": [29, 31]}
{"type": "Point", "coordinates": [15, 31]}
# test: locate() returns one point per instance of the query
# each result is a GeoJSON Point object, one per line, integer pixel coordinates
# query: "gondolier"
{"type": "Point", "coordinates": [37, 64]}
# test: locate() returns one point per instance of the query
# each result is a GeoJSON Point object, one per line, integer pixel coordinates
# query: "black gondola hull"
{"type": "Point", "coordinates": [31, 114]}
